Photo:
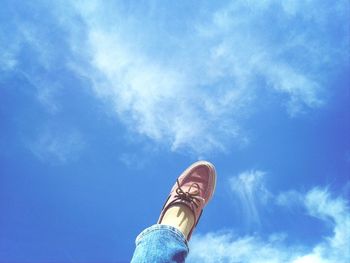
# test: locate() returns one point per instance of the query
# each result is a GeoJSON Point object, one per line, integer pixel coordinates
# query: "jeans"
{"type": "Point", "coordinates": [160, 244]}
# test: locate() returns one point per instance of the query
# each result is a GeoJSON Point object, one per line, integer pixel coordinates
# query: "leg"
{"type": "Point", "coordinates": [180, 217]}
{"type": "Point", "coordinates": [167, 241]}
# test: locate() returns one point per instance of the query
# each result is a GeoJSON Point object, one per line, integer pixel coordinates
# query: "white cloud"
{"type": "Point", "coordinates": [7, 61]}
{"type": "Point", "coordinates": [161, 102]}
{"type": "Point", "coordinates": [57, 146]}
{"type": "Point", "coordinates": [190, 83]}
{"type": "Point", "coordinates": [249, 189]}
{"type": "Point", "coordinates": [227, 247]}
{"type": "Point", "coordinates": [289, 199]}
{"type": "Point", "coordinates": [195, 94]}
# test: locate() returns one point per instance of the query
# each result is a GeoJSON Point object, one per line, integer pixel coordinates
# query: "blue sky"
{"type": "Point", "coordinates": [103, 104]}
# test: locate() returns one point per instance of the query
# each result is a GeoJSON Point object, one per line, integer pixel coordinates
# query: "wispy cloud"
{"type": "Point", "coordinates": [188, 83]}
{"type": "Point", "coordinates": [228, 247]}
{"type": "Point", "coordinates": [250, 192]}
{"type": "Point", "coordinates": [194, 92]}
{"type": "Point", "coordinates": [289, 199]}
{"type": "Point", "coordinates": [57, 146]}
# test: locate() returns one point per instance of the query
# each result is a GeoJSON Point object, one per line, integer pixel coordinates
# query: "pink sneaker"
{"type": "Point", "coordinates": [194, 188]}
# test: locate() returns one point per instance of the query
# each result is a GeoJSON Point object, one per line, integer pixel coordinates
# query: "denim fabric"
{"type": "Point", "coordinates": [160, 244]}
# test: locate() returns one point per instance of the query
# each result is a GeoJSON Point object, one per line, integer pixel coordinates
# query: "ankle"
{"type": "Point", "coordinates": [180, 217]}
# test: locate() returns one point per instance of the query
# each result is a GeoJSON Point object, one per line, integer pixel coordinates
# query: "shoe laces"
{"type": "Point", "coordinates": [189, 196]}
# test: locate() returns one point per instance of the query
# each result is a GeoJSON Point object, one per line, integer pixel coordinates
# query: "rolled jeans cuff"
{"type": "Point", "coordinates": [160, 243]}
{"type": "Point", "coordinates": [176, 233]}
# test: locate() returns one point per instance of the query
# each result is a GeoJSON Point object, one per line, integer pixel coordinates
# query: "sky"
{"type": "Point", "coordinates": [104, 103]}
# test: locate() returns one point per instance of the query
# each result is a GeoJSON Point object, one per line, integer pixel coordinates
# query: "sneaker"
{"type": "Point", "coordinates": [193, 188]}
